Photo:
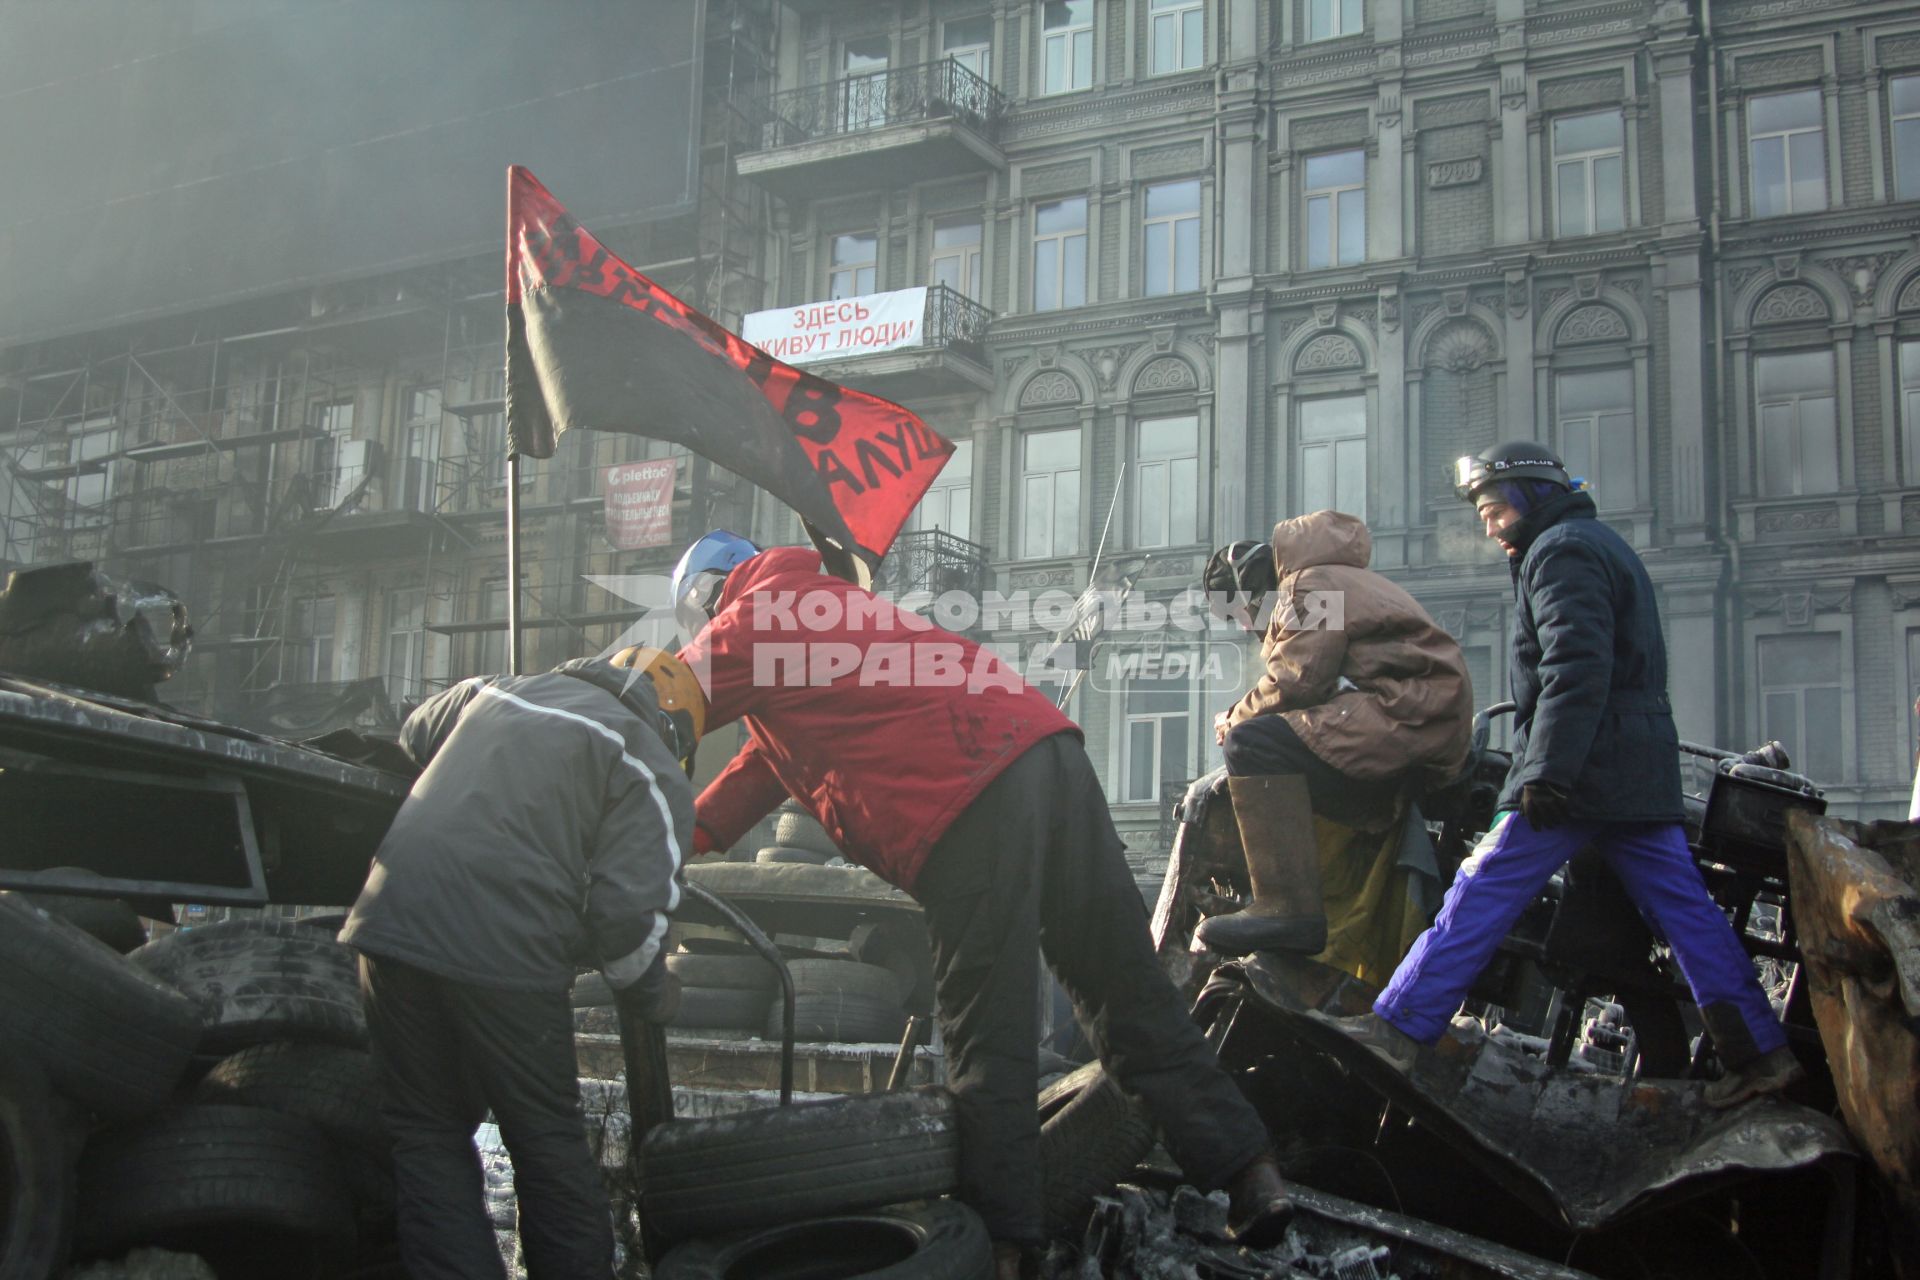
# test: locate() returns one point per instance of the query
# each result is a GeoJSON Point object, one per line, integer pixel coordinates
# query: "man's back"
{"type": "Point", "coordinates": [542, 795]}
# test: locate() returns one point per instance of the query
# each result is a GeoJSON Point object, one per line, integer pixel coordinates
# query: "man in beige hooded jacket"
{"type": "Point", "coordinates": [1364, 698]}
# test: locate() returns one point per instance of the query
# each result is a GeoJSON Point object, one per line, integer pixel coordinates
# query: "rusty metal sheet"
{"type": "Point", "coordinates": [1856, 904]}
{"type": "Point", "coordinates": [1583, 1149]}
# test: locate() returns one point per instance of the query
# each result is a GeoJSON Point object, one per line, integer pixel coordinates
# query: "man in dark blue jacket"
{"type": "Point", "coordinates": [1595, 762]}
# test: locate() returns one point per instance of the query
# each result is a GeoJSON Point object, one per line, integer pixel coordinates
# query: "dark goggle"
{"type": "Point", "coordinates": [1470, 473]}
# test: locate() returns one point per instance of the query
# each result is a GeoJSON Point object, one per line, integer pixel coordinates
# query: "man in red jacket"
{"type": "Point", "coordinates": [931, 763]}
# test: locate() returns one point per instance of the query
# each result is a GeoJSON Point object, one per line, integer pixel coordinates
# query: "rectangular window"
{"type": "Point", "coordinates": [1329, 18]}
{"type": "Point", "coordinates": [312, 656]}
{"type": "Point", "coordinates": [1176, 35]}
{"type": "Point", "coordinates": [406, 643]}
{"type": "Point", "coordinates": [1167, 482]}
{"type": "Point", "coordinates": [1336, 209]}
{"type": "Point", "coordinates": [948, 503]}
{"type": "Point", "coordinates": [336, 428]}
{"type": "Point", "coordinates": [1800, 701]}
{"type": "Point", "coordinates": [89, 486]}
{"type": "Point", "coordinates": [1596, 433]}
{"type": "Point", "coordinates": [1060, 254]}
{"type": "Point", "coordinates": [863, 84]}
{"type": "Point", "coordinates": [1050, 493]}
{"type": "Point", "coordinates": [418, 479]}
{"type": "Point", "coordinates": [1910, 408]}
{"type": "Point", "coordinates": [1913, 692]}
{"type": "Point", "coordinates": [1904, 101]}
{"type": "Point", "coordinates": [1066, 45]}
{"type": "Point", "coordinates": [1333, 455]}
{"type": "Point", "coordinates": [956, 254]}
{"type": "Point", "coordinates": [1173, 237]}
{"type": "Point", "coordinates": [1799, 439]}
{"type": "Point", "coordinates": [969, 42]}
{"type": "Point", "coordinates": [1589, 164]}
{"type": "Point", "coordinates": [1787, 153]}
{"type": "Point", "coordinates": [852, 259]}
{"type": "Point", "coordinates": [1159, 715]}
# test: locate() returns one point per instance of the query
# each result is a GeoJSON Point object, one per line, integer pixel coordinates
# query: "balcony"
{"type": "Point", "coordinates": [880, 129]}
{"type": "Point", "coordinates": [933, 562]}
{"type": "Point", "coordinates": [944, 352]}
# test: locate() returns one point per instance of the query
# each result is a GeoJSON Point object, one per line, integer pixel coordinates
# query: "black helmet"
{"type": "Point", "coordinates": [1514, 460]}
{"type": "Point", "coordinates": [1243, 568]}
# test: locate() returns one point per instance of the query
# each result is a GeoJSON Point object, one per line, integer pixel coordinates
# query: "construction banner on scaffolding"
{"type": "Point", "coordinates": [593, 343]}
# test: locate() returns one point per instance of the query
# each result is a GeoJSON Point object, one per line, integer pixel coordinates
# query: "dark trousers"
{"type": "Point", "coordinates": [446, 1053]}
{"type": "Point", "coordinates": [1035, 860]}
{"type": "Point", "coordinates": [1266, 746]}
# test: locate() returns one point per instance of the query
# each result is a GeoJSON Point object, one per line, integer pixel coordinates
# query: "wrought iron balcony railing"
{"type": "Point", "coordinates": [932, 561]}
{"type": "Point", "coordinates": [955, 321]}
{"type": "Point", "coordinates": [876, 99]}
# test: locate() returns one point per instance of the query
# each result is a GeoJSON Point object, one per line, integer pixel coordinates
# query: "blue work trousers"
{"type": "Point", "coordinates": [1508, 869]}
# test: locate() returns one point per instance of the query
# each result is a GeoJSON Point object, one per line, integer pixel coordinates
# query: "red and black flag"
{"type": "Point", "coordinates": [593, 343]}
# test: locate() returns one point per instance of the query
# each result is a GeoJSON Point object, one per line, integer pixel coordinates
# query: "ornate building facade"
{"type": "Point", "coordinates": [1193, 266]}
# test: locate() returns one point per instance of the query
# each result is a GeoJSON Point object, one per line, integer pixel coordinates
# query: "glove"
{"type": "Point", "coordinates": [654, 998]}
{"type": "Point", "coordinates": [1543, 805]}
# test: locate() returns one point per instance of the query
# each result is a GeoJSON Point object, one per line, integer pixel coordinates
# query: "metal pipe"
{"type": "Point", "coordinates": [760, 942]}
{"type": "Point", "coordinates": [513, 561]}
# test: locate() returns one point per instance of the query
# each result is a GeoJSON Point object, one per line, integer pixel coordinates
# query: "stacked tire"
{"type": "Point", "coordinates": [207, 1093]}
{"type": "Point", "coordinates": [835, 1001]}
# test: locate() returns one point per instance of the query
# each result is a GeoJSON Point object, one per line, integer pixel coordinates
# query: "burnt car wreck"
{"type": "Point", "coordinates": [1557, 1131]}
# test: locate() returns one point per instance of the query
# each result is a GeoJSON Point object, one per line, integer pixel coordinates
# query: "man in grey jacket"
{"type": "Point", "coordinates": [548, 829]}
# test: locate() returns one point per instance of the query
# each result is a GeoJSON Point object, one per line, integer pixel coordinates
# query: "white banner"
{"type": "Point", "coordinates": [844, 327]}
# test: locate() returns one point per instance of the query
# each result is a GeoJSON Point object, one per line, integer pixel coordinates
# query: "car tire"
{"type": "Point", "coordinates": [786, 853]}
{"type": "Point", "coordinates": [841, 1000]}
{"type": "Point", "coordinates": [720, 1009]}
{"type": "Point", "coordinates": [730, 973]}
{"type": "Point", "coordinates": [238, 1183]}
{"type": "Point", "coordinates": [107, 1034]}
{"type": "Point", "coordinates": [1092, 1134]}
{"type": "Point", "coordinates": [331, 1086]}
{"type": "Point", "coordinates": [36, 1177]}
{"type": "Point", "coordinates": [798, 829]}
{"type": "Point", "coordinates": [112, 920]}
{"type": "Point", "coordinates": [256, 980]}
{"type": "Point", "coordinates": [943, 1240]}
{"type": "Point", "coordinates": [792, 1163]}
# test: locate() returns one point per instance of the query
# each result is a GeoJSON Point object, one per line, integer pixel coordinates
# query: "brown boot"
{"type": "Point", "coordinates": [1283, 863]}
{"type": "Point", "coordinates": [1258, 1206]}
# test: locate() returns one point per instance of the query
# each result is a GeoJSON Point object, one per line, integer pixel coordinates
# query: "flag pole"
{"type": "Point", "coordinates": [513, 562]}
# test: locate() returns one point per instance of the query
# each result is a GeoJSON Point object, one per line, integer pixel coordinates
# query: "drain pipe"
{"type": "Point", "coordinates": [1730, 647]}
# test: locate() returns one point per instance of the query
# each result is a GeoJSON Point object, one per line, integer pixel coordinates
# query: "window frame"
{"type": "Point", "coordinates": [858, 108]}
{"type": "Point", "coordinates": [981, 66]}
{"type": "Point", "coordinates": [1818, 130]}
{"type": "Point", "coordinates": [1027, 526]}
{"type": "Point", "coordinates": [1909, 398]}
{"type": "Point", "coordinates": [303, 625]}
{"type": "Point", "coordinates": [1906, 186]}
{"type": "Point", "coordinates": [1304, 402]}
{"type": "Point", "coordinates": [960, 468]}
{"type": "Point", "coordinates": [409, 683]}
{"type": "Point", "coordinates": [1606, 483]}
{"type": "Point", "coordinates": [1161, 473]}
{"type": "Point", "coordinates": [970, 257]}
{"type": "Point", "coordinates": [1126, 719]}
{"type": "Point", "coordinates": [1061, 239]}
{"type": "Point", "coordinates": [1587, 159]}
{"type": "Point", "coordinates": [1311, 34]}
{"type": "Point", "coordinates": [1070, 36]}
{"type": "Point", "coordinates": [1332, 195]}
{"type": "Point", "coordinates": [1796, 399]}
{"type": "Point", "coordinates": [1148, 224]}
{"type": "Point", "coordinates": [1840, 638]}
{"type": "Point", "coordinates": [870, 266]}
{"type": "Point", "coordinates": [1176, 12]}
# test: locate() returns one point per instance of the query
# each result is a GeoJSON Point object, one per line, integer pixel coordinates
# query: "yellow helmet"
{"type": "Point", "coordinates": [679, 692]}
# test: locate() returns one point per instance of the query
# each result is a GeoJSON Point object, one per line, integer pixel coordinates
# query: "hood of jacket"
{"type": "Point", "coordinates": [1520, 535]}
{"type": "Point", "coordinates": [759, 568]}
{"type": "Point", "coordinates": [1321, 537]}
